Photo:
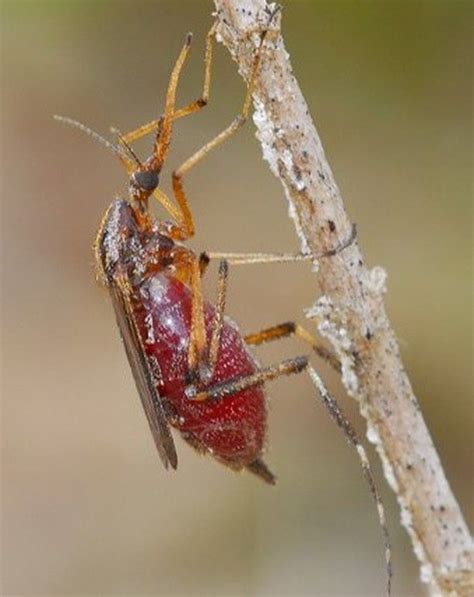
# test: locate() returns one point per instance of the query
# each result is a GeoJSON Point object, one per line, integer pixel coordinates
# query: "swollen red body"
{"type": "Point", "coordinates": [231, 428]}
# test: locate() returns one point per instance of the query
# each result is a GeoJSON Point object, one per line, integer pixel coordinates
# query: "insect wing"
{"type": "Point", "coordinates": [142, 374]}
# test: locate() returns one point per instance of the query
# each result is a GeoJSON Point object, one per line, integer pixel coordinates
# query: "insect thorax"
{"type": "Point", "coordinates": [124, 246]}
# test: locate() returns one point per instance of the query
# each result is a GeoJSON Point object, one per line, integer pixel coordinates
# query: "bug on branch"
{"type": "Point", "coordinates": [192, 366]}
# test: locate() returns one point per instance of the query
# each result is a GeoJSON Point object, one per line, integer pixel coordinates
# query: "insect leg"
{"type": "Point", "coordinates": [255, 258]}
{"type": "Point", "coordinates": [352, 438]}
{"type": "Point", "coordinates": [197, 341]}
{"type": "Point", "coordinates": [238, 384]}
{"type": "Point", "coordinates": [237, 123]}
{"type": "Point", "coordinates": [336, 413]}
{"type": "Point", "coordinates": [163, 137]}
{"type": "Point", "coordinates": [218, 322]}
{"type": "Point", "coordinates": [192, 107]}
{"type": "Point", "coordinates": [288, 329]}
{"type": "Point", "coordinates": [204, 99]}
{"type": "Point", "coordinates": [199, 351]}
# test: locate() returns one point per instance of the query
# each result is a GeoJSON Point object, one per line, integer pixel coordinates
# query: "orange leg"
{"type": "Point", "coordinates": [218, 322]}
{"type": "Point", "coordinates": [163, 128]}
{"type": "Point", "coordinates": [238, 122]}
{"type": "Point", "coordinates": [229, 387]}
{"type": "Point", "coordinates": [191, 108]}
{"type": "Point", "coordinates": [197, 354]}
{"type": "Point", "coordinates": [288, 329]}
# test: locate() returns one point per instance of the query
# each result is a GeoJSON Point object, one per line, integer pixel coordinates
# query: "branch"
{"type": "Point", "coordinates": [350, 313]}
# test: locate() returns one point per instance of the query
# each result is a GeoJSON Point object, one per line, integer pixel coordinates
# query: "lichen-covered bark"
{"type": "Point", "coordinates": [350, 312]}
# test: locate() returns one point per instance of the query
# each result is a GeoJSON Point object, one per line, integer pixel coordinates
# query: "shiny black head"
{"type": "Point", "coordinates": [144, 181]}
{"type": "Point", "coordinates": [147, 180]}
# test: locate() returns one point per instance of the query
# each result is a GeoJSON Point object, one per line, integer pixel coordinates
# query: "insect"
{"type": "Point", "coordinates": [192, 366]}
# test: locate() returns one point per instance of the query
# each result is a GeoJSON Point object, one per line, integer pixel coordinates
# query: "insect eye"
{"type": "Point", "coordinates": [146, 180]}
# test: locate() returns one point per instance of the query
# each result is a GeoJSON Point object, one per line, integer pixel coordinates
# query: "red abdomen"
{"type": "Point", "coordinates": [231, 428]}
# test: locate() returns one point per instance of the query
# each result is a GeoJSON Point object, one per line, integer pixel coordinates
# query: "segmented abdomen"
{"type": "Point", "coordinates": [232, 428]}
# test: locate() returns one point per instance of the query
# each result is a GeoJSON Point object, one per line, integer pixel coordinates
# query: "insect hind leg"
{"type": "Point", "coordinates": [352, 438]}
{"type": "Point", "coordinates": [336, 413]}
{"type": "Point", "coordinates": [290, 328]}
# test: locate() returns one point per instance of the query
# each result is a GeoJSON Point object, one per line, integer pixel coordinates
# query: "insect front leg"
{"type": "Point", "coordinates": [191, 108]}
{"type": "Point", "coordinates": [236, 124]}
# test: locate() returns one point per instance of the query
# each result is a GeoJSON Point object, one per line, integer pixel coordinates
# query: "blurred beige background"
{"type": "Point", "coordinates": [87, 508]}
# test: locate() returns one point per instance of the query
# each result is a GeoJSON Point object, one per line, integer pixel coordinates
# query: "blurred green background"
{"type": "Point", "coordinates": [87, 508]}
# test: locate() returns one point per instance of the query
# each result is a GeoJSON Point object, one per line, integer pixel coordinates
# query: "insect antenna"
{"type": "Point", "coordinates": [124, 144]}
{"type": "Point", "coordinates": [351, 436]}
{"type": "Point", "coordinates": [115, 149]}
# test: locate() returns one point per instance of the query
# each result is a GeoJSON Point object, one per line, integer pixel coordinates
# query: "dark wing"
{"type": "Point", "coordinates": [142, 372]}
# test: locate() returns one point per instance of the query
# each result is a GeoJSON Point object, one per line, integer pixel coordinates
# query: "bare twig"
{"type": "Point", "coordinates": [350, 313]}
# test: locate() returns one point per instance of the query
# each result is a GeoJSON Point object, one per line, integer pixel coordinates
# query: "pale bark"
{"type": "Point", "coordinates": [350, 312]}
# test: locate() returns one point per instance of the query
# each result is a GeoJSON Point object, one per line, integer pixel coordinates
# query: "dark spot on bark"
{"type": "Point", "coordinates": [297, 172]}
{"type": "Point", "coordinates": [442, 508]}
{"type": "Point", "coordinates": [369, 335]}
{"type": "Point", "coordinates": [321, 176]}
{"type": "Point", "coordinates": [332, 226]}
